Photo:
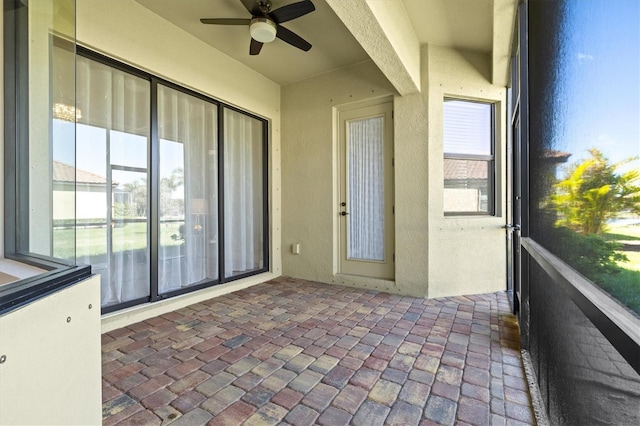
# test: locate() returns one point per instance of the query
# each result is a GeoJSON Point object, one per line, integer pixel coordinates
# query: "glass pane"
{"type": "Point", "coordinates": [244, 203]}
{"type": "Point", "coordinates": [47, 207]}
{"type": "Point", "coordinates": [365, 153]}
{"type": "Point", "coordinates": [466, 186]}
{"type": "Point", "coordinates": [129, 267]}
{"type": "Point", "coordinates": [188, 252]}
{"type": "Point", "coordinates": [127, 149]}
{"type": "Point", "coordinates": [467, 127]}
{"type": "Point", "coordinates": [112, 175]}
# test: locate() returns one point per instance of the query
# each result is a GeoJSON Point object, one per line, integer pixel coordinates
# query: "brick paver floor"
{"type": "Point", "coordinates": [295, 352]}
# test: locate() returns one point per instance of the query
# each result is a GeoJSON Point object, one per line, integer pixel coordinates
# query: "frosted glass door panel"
{"type": "Point", "coordinates": [366, 189]}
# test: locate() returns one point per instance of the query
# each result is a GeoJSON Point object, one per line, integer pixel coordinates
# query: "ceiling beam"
{"type": "Point", "coordinates": [384, 31]}
{"type": "Point", "coordinates": [504, 19]}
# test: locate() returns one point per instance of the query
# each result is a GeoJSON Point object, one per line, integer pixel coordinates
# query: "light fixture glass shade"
{"type": "Point", "coordinates": [263, 30]}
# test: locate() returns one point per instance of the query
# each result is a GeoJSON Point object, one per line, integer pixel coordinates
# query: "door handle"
{"type": "Point", "coordinates": [511, 227]}
{"type": "Point", "coordinates": [343, 213]}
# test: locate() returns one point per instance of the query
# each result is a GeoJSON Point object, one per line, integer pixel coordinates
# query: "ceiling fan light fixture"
{"type": "Point", "coordinates": [263, 30]}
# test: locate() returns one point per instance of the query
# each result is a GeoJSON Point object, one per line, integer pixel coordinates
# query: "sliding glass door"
{"type": "Point", "coordinates": [244, 213]}
{"type": "Point", "coordinates": [170, 185]}
{"type": "Point", "coordinates": [112, 175]}
{"type": "Point", "coordinates": [188, 225]}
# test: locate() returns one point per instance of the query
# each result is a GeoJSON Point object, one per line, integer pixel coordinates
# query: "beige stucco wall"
{"type": "Point", "coordinates": [435, 256]}
{"type": "Point", "coordinates": [127, 31]}
{"type": "Point", "coordinates": [467, 255]}
{"type": "Point", "coordinates": [310, 200]}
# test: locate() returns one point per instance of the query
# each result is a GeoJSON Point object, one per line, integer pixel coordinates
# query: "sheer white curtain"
{"type": "Point", "coordinates": [366, 189]}
{"type": "Point", "coordinates": [114, 118]}
{"type": "Point", "coordinates": [188, 254]}
{"type": "Point", "coordinates": [244, 204]}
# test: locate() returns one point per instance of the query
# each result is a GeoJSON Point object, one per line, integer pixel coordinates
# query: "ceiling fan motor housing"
{"type": "Point", "coordinates": [263, 30]}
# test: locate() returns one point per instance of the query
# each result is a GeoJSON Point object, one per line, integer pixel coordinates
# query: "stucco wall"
{"type": "Point", "coordinates": [435, 256]}
{"type": "Point", "coordinates": [467, 254]}
{"type": "Point", "coordinates": [310, 204]}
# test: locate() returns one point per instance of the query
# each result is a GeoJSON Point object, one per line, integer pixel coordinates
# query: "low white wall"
{"type": "Point", "coordinates": [52, 358]}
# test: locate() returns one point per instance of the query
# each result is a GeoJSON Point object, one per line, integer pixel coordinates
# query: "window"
{"type": "Point", "coordinates": [39, 109]}
{"type": "Point", "coordinates": [469, 161]}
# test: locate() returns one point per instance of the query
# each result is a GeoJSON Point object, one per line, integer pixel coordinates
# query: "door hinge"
{"type": "Point", "coordinates": [393, 162]}
{"type": "Point", "coordinates": [394, 257]}
{"type": "Point", "coordinates": [392, 114]}
{"type": "Point", "coordinates": [393, 209]}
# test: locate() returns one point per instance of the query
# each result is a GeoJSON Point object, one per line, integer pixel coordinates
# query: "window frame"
{"type": "Point", "coordinates": [492, 195]}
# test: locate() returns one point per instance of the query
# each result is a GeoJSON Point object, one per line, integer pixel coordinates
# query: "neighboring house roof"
{"type": "Point", "coordinates": [456, 169]}
{"type": "Point", "coordinates": [460, 169]}
{"type": "Point", "coordinates": [63, 172]}
{"type": "Point", "coordinates": [556, 156]}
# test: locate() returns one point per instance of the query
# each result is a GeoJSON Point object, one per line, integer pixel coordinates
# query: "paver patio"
{"type": "Point", "coordinates": [295, 352]}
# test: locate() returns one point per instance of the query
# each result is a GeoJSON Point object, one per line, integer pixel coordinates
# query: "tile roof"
{"type": "Point", "coordinates": [63, 172]}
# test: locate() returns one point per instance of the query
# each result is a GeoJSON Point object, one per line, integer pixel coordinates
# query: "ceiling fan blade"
{"type": "Point", "coordinates": [252, 7]}
{"type": "Point", "coordinates": [255, 47]}
{"type": "Point", "coordinates": [225, 21]}
{"type": "Point", "coordinates": [292, 11]}
{"type": "Point", "coordinates": [292, 38]}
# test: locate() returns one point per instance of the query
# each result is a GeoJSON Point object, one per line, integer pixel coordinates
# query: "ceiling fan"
{"type": "Point", "coordinates": [264, 25]}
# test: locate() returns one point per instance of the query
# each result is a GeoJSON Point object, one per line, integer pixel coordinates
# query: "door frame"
{"type": "Point", "coordinates": [518, 179]}
{"type": "Point", "coordinates": [340, 170]}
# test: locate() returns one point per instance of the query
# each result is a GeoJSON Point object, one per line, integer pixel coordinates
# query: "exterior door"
{"type": "Point", "coordinates": [366, 192]}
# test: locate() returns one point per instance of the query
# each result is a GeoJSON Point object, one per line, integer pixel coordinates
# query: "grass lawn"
{"type": "Point", "coordinates": [93, 241]}
{"type": "Point", "coordinates": [624, 233]}
{"type": "Point", "coordinates": [625, 285]}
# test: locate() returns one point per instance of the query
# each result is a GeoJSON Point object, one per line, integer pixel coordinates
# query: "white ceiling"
{"type": "Point", "coordinates": [464, 24]}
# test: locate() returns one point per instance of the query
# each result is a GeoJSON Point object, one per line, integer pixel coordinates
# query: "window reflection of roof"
{"type": "Point", "coordinates": [63, 172]}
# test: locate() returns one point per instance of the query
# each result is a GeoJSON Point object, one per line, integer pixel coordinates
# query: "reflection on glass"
{"type": "Point", "coordinates": [188, 252]}
{"type": "Point", "coordinates": [244, 202]}
{"type": "Point", "coordinates": [585, 142]}
{"type": "Point", "coordinates": [51, 128]}
{"type": "Point", "coordinates": [112, 215]}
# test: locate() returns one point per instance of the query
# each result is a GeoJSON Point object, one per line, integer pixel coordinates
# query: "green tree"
{"type": "Point", "coordinates": [593, 192]}
{"type": "Point", "coordinates": [138, 191]}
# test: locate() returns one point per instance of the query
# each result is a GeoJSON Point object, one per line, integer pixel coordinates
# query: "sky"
{"type": "Point", "coordinates": [601, 53]}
